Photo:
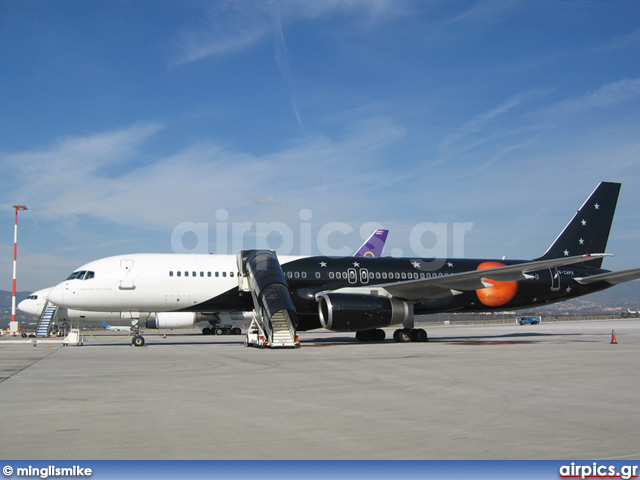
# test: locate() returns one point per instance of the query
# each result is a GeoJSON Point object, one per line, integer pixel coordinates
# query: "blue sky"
{"type": "Point", "coordinates": [122, 120]}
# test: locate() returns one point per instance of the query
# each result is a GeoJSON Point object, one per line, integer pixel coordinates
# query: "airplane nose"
{"type": "Point", "coordinates": [56, 295]}
{"type": "Point", "coordinates": [25, 306]}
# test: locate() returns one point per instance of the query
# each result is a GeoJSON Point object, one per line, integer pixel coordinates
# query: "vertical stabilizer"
{"type": "Point", "coordinates": [588, 230]}
{"type": "Point", "coordinates": [374, 245]}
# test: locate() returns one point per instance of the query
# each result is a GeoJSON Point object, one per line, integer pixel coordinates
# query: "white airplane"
{"type": "Point", "coordinates": [220, 322]}
{"type": "Point", "coordinates": [360, 295]}
{"type": "Point", "coordinates": [35, 303]}
{"type": "Point", "coordinates": [106, 326]}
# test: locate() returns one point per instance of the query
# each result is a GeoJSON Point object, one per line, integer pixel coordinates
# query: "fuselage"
{"type": "Point", "coordinates": [209, 283]}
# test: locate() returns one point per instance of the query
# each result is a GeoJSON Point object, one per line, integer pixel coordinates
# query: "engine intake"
{"type": "Point", "coordinates": [345, 312]}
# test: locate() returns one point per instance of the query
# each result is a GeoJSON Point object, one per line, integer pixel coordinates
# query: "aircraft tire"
{"type": "Point", "coordinates": [379, 335]}
{"type": "Point", "coordinates": [365, 335]}
{"type": "Point", "coordinates": [137, 341]}
{"type": "Point", "coordinates": [419, 335]}
{"type": "Point", "coordinates": [402, 335]}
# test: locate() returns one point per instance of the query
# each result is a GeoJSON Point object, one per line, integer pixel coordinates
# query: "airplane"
{"type": "Point", "coordinates": [219, 322]}
{"type": "Point", "coordinates": [106, 326]}
{"type": "Point", "coordinates": [347, 294]}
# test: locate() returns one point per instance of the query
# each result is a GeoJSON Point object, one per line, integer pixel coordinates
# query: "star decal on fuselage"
{"type": "Point", "coordinates": [584, 223]}
{"type": "Point", "coordinates": [597, 206]}
{"type": "Point", "coordinates": [415, 264]}
{"type": "Point", "coordinates": [449, 264]}
{"type": "Point", "coordinates": [566, 253]}
{"type": "Point", "coordinates": [356, 264]}
{"type": "Point", "coordinates": [323, 264]}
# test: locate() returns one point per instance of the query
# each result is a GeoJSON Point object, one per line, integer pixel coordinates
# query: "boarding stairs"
{"type": "Point", "coordinates": [274, 315]}
{"type": "Point", "coordinates": [46, 319]}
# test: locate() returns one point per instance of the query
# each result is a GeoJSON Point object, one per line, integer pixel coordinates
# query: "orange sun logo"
{"type": "Point", "coordinates": [500, 293]}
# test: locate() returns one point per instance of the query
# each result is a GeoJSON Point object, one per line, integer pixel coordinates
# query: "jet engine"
{"type": "Point", "coordinates": [345, 312]}
{"type": "Point", "coordinates": [169, 320]}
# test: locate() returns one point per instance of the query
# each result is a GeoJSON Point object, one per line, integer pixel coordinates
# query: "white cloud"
{"type": "Point", "coordinates": [609, 95]}
{"type": "Point", "coordinates": [231, 27]}
{"type": "Point", "coordinates": [68, 180]}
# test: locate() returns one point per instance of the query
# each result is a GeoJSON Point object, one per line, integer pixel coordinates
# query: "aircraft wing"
{"type": "Point", "coordinates": [612, 278]}
{"type": "Point", "coordinates": [439, 287]}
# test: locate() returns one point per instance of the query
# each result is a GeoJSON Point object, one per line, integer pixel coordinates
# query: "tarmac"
{"type": "Point", "coordinates": [553, 391]}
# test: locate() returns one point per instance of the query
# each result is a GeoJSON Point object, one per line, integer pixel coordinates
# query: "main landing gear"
{"type": "Point", "coordinates": [410, 335]}
{"type": "Point", "coordinates": [401, 335]}
{"type": "Point", "coordinates": [375, 335]}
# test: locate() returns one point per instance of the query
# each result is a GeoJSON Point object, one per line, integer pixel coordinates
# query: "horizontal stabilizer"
{"type": "Point", "coordinates": [612, 278]}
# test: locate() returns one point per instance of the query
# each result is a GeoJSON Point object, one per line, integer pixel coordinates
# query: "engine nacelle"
{"type": "Point", "coordinates": [169, 320]}
{"type": "Point", "coordinates": [345, 312]}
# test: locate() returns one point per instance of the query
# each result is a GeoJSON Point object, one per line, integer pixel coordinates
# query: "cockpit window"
{"type": "Point", "coordinates": [81, 275]}
{"type": "Point", "coordinates": [32, 297]}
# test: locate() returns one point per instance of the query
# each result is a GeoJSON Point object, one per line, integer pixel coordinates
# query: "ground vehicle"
{"type": "Point", "coordinates": [529, 320]}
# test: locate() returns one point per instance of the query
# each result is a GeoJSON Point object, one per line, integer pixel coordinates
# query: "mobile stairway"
{"type": "Point", "coordinates": [46, 318]}
{"type": "Point", "coordinates": [274, 315]}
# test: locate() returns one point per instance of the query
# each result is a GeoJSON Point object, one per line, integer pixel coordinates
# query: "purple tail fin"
{"type": "Point", "coordinates": [374, 245]}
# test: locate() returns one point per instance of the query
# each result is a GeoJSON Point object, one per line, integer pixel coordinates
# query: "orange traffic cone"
{"type": "Point", "coordinates": [164, 336]}
{"type": "Point", "coordinates": [613, 337]}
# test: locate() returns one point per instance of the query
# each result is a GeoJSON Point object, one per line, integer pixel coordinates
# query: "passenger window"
{"type": "Point", "coordinates": [179, 273]}
{"type": "Point", "coordinates": [224, 274]}
{"type": "Point", "coordinates": [186, 274]}
{"type": "Point", "coordinates": [231, 274]}
{"type": "Point", "coordinates": [171, 274]}
{"type": "Point", "coordinates": [208, 274]}
{"type": "Point", "coordinates": [217, 274]}
{"type": "Point", "coordinates": [202, 274]}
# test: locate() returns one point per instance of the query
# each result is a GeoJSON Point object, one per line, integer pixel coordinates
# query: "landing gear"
{"type": "Point", "coordinates": [137, 340]}
{"type": "Point", "coordinates": [222, 330]}
{"type": "Point", "coordinates": [405, 335]}
{"type": "Point", "coordinates": [376, 335]}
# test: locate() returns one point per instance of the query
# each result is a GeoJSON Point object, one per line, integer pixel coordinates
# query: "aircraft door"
{"type": "Point", "coordinates": [555, 279]}
{"type": "Point", "coordinates": [352, 275]}
{"type": "Point", "coordinates": [364, 275]}
{"type": "Point", "coordinates": [126, 275]}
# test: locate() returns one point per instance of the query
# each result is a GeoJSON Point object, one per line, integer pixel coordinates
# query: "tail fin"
{"type": "Point", "coordinates": [374, 245]}
{"type": "Point", "coordinates": [588, 230]}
